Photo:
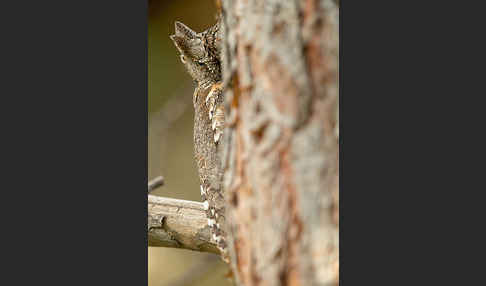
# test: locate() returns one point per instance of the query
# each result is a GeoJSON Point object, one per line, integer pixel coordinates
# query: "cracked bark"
{"type": "Point", "coordinates": [178, 224]}
{"type": "Point", "coordinates": [280, 64]}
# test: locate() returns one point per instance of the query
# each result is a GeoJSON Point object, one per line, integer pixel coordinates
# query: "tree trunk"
{"type": "Point", "coordinates": [280, 63]}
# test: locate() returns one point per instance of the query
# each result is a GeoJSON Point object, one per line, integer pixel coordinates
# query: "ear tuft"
{"type": "Point", "coordinates": [184, 31]}
{"type": "Point", "coordinates": [188, 42]}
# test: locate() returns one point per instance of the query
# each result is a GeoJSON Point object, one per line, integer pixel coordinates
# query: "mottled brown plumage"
{"type": "Point", "coordinates": [200, 54]}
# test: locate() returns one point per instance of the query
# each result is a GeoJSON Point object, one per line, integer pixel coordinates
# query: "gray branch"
{"type": "Point", "coordinates": [155, 183]}
{"type": "Point", "coordinates": [178, 224]}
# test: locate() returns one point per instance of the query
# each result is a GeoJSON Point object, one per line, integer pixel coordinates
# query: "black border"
{"type": "Point", "coordinates": [408, 211]}
{"type": "Point", "coordinates": [74, 98]}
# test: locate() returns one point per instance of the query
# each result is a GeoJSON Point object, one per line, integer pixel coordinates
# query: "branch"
{"type": "Point", "coordinates": [178, 224]}
{"type": "Point", "coordinates": [155, 183]}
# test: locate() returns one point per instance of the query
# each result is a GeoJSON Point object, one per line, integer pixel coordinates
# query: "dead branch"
{"type": "Point", "coordinates": [155, 183]}
{"type": "Point", "coordinates": [178, 224]}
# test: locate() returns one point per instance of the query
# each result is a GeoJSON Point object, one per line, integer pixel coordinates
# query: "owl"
{"type": "Point", "coordinates": [200, 54]}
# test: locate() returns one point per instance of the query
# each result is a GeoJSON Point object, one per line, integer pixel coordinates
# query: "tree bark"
{"type": "Point", "coordinates": [280, 66]}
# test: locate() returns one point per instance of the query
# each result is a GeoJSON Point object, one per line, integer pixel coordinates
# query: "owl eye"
{"type": "Point", "coordinates": [200, 64]}
{"type": "Point", "coordinates": [183, 59]}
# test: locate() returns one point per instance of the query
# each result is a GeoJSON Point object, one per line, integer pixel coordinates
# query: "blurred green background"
{"type": "Point", "coordinates": [170, 143]}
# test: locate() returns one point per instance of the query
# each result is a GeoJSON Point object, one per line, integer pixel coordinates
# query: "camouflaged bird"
{"type": "Point", "coordinates": [200, 54]}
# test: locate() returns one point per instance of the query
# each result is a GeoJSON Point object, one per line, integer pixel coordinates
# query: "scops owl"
{"type": "Point", "coordinates": [200, 54]}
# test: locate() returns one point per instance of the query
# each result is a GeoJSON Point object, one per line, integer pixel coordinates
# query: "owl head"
{"type": "Point", "coordinates": [195, 54]}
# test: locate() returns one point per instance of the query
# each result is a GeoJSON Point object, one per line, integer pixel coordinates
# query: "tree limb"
{"type": "Point", "coordinates": [178, 224]}
{"type": "Point", "coordinates": [155, 183]}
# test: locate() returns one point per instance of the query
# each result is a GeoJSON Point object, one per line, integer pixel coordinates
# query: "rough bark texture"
{"type": "Point", "coordinates": [280, 67]}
